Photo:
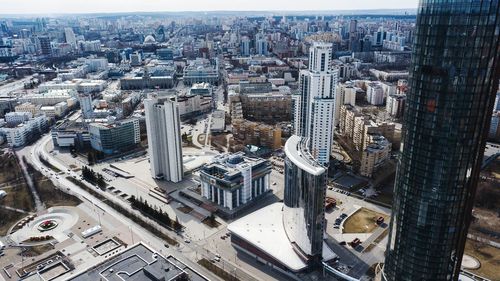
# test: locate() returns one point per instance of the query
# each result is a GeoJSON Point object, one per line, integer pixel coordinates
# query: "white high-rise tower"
{"type": "Point", "coordinates": [317, 102]}
{"type": "Point", "coordinates": [86, 105]}
{"type": "Point", "coordinates": [70, 37]}
{"type": "Point", "coordinates": [164, 137]}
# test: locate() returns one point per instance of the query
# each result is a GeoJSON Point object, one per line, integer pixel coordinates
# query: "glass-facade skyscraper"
{"type": "Point", "coordinates": [453, 80]}
{"type": "Point", "coordinates": [304, 207]}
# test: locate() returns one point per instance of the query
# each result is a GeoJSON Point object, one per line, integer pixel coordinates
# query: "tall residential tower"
{"type": "Point", "coordinates": [317, 102]}
{"type": "Point", "coordinates": [454, 77]}
{"type": "Point", "coordinates": [164, 137]}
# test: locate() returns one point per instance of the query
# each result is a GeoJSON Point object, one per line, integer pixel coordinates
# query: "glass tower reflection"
{"type": "Point", "coordinates": [453, 79]}
{"type": "Point", "coordinates": [305, 189]}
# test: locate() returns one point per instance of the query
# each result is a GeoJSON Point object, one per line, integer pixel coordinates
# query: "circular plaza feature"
{"type": "Point", "coordinates": [53, 223]}
{"type": "Point", "coordinates": [47, 225]}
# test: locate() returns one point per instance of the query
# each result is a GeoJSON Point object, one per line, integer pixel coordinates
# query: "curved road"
{"type": "Point", "coordinates": [184, 252]}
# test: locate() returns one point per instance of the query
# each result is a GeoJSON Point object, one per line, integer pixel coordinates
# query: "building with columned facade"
{"type": "Point", "coordinates": [233, 180]}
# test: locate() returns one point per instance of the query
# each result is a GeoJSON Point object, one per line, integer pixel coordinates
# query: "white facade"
{"type": "Point", "coordinates": [317, 102]}
{"type": "Point", "coordinates": [194, 104]}
{"type": "Point", "coordinates": [97, 64]}
{"type": "Point", "coordinates": [13, 118]}
{"type": "Point", "coordinates": [232, 181]}
{"type": "Point", "coordinates": [70, 37]}
{"type": "Point", "coordinates": [164, 137]}
{"type": "Point", "coordinates": [345, 94]}
{"type": "Point", "coordinates": [395, 105]}
{"type": "Point", "coordinates": [296, 102]}
{"type": "Point", "coordinates": [54, 85]}
{"type": "Point", "coordinates": [86, 106]}
{"type": "Point", "coordinates": [57, 110]}
{"type": "Point", "coordinates": [322, 134]}
{"type": "Point", "coordinates": [375, 94]}
{"type": "Point", "coordinates": [91, 86]}
{"type": "Point", "coordinates": [51, 97]}
{"type": "Point", "coordinates": [19, 135]}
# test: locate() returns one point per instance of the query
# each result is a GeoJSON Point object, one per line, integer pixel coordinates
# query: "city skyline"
{"type": "Point", "coordinates": [250, 140]}
{"type": "Point", "coordinates": [28, 7]}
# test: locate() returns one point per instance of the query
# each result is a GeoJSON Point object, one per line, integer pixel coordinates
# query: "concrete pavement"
{"type": "Point", "coordinates": [110, 214]}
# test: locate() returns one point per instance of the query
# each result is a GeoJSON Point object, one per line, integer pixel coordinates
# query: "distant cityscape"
{"type": "Point", "coordinates": [278, 145]}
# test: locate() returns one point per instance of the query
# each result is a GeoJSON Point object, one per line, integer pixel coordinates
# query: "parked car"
{"type": "Point", "coordinates": [355, 242]}
{"type": "Point", "coordinates": [380, 220]}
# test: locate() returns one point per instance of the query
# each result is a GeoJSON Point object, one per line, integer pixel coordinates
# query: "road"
{"type": "Point", "coordinates": [7, 89]}
{"type": "Point", "coordinates": [241, 265]}
{"type": "Point", "coordinates": [183, 253]}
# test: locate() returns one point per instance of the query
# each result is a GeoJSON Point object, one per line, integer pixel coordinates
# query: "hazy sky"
{"type": "Point", "coordinates": [86, 6]}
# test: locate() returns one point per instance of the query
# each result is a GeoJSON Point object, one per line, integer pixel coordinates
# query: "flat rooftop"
{"type": "Point", "coordinates": [295, 152]}
{"type": "Point", "coordinates": [138, 263]}
{"type": "Point", "coordinates": [226, 166]}
{"type": "Point", "coordinates": [264, 230]}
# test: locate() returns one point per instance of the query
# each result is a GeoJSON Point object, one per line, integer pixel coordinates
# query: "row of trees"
{"type": "Point", "coordinates": [93, 156]}
{"type": "Point", "coordinates": [93, 177]}
{"type": "Point", "coordinates": [155, 213]}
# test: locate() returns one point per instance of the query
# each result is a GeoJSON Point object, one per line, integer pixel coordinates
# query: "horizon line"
{"type": "Point", "coordinates": [206, 11]}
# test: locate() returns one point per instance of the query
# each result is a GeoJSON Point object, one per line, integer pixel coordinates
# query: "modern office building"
{"type": "Point", "coordinates": [305, 190]}
{"type": "Point", "coordinates": [116, 137]}
{"type": "Point", "coordinates": [164, 136]}
{"type": "Point", "coordinates": [233, 180]}
{"type": "Point", "coordinates": [70, 37]}
{"type": "Point", "coordinates": [288, 236]}
{"type": "Point", "coordinates": [454, 77]}
{"type": "Point", "coordinates": [262, 47]}
{"type": "Point", "coordinates": [317, 102]}
{"type": "Point", "coordinates": [45, 45]}
{"type": "Point", "coordinates": [86, 105]}
{"type": "Point", "coordinates": [245, 46]}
